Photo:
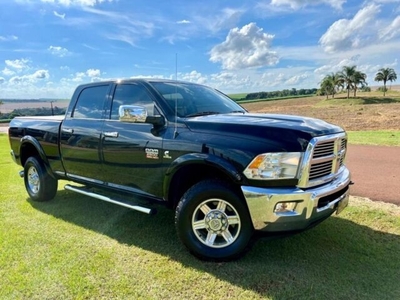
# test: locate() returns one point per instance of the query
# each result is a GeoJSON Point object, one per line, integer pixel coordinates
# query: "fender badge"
{"type": "Point", "coordinates": [166, 155]}
{"type": "Point", "coordinates": [151, 153]}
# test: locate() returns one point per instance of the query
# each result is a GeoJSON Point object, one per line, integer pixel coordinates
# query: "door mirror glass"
{"type": "Point", "coordinates": [132, 114]}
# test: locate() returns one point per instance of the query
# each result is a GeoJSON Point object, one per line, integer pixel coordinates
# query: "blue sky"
{"type": "Point", "coordinates": [48, 47]}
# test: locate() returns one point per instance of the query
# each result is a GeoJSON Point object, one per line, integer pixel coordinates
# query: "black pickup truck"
{"type": "Point", "coordinates": [226, 172]}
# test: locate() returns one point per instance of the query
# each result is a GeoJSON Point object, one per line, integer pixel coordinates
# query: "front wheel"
{"type": "Point", "coordinates": [38, 182]}
{"type": "Point", "coordinates": [213, 222]}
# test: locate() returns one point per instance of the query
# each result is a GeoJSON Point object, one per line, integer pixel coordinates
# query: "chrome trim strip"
{"type": "Point", "coordinates": [107, 199]}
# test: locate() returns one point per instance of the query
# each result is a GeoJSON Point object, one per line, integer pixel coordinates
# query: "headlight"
{"type": "Point", "coordinates": [274, 166]}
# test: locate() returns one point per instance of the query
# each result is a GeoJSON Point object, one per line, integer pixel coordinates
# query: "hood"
{"type": "Point", "coordinates": [279, 129]}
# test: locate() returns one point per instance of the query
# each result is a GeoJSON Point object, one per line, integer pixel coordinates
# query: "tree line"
{"type": "Point", "coordinates": [352, 79]}
{"type": "Point", "coordinates": [40, 111]}
{"type": "Point", "coordinates": [279, 94]}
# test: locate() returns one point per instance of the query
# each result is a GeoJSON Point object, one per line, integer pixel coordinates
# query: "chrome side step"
{"type": "Point", "coordinates": [83, 191]}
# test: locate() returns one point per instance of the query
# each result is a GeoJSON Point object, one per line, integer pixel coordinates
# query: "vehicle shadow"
{"type": "Point", "coordinates": [357, 261]}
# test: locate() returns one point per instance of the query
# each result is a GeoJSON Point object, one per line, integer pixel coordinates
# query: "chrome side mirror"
{"type": "Point", "coordinates": [132, 114]}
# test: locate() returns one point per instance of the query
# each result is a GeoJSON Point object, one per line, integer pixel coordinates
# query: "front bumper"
{"type": "Point", "coordinates": [311, 205]}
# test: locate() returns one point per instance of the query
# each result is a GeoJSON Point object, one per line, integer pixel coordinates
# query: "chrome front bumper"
{"type": "Point", "coordinates": [311, 205]}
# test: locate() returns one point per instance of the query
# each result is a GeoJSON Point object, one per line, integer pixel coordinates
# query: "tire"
{"type": "Point", "coordinates": [38, 182]}
{"type": "Point", "coordinates": [213, 222]}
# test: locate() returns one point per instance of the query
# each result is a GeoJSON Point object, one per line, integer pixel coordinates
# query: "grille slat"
{"type": "Point", "coordinates": [329, 150]}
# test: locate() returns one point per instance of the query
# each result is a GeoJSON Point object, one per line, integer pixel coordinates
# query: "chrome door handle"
{"type": "Point", "coordinates": [68, 130]}
{"type": "Point", "coordinates": [112, 134]}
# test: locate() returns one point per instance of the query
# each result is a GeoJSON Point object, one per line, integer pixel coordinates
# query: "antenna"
{"type": "Point", "coordinates": [176, 96]}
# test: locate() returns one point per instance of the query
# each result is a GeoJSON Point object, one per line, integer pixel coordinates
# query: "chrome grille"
{"type": "Point", "coordinates": [324, 149]}
{"type": "Point", "coordinates": [320, 170]}
{"type": "Point", "coordinates": [323, 159]}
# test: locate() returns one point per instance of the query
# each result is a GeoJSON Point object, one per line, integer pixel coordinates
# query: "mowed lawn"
{"type": "Point", "coordinates": [75, 247]}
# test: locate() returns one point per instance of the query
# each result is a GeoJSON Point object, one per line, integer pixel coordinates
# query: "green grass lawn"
{"type": "Point", "coordinates": [76, 247]}
{"type": "Point", "coordinates": [379, 137]}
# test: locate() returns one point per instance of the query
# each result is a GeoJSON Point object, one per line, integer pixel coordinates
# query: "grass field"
{"type": "Point", "coordinates": [79, 248]}
{"type": "Point", "coordinates": [367, 112]}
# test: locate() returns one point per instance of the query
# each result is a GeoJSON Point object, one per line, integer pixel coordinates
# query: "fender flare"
{"type": "Point", "coordinates": [35, 143]}
{"type": "Point", "coordinates": [203, 159]}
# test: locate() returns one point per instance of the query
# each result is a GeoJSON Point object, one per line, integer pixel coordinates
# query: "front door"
{"type": "Point", "coordinates": [132, 152]}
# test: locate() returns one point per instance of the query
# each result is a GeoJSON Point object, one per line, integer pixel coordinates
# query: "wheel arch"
{"type": "Point", "coordinates": [190, 169]}
{"type": "Point", "coordinates": [31, 147]}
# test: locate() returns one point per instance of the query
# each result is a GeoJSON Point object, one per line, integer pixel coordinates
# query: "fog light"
{"type": "Point", "coordinates": [283, 207]}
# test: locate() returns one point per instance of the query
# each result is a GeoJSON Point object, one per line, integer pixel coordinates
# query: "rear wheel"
{"type": "Point", "coordinates": [213, 222]}
{"type": "Point", "coordinates": [38, 182]}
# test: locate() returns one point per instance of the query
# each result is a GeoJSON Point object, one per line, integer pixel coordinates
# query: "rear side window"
{"type": "Point", "coordinates": [90, 104]}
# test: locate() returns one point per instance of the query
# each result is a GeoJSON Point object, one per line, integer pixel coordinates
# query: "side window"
{"type": "Point", "coordinates": [90, 103]}
{"type": "Point", "coordinates": [131, 94]}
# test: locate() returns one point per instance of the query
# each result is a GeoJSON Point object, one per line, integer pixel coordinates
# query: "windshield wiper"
{"type": "Point", "coordinates": [237, 111]}
{"type": "Point", "coordinates": [203, 113]}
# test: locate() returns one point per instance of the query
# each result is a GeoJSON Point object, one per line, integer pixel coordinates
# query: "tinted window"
{"type": "Point", "coordinates": [131, 94]}
{"type": "Point", "coordinates": [91, 103]}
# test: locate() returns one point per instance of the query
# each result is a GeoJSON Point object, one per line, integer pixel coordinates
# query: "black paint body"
{"type": "Point", "coordinates": [144, 158]}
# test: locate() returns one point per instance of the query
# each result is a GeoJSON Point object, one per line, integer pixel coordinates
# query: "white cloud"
{"type": "Point", "coordinates": [124, 27]}
{"type": "Point", "coordinates": [8, 72]}
{"type": "Point", "coordinates": [2, 80]}
{"type": "Point", "coordinates": [228, 18]}
{"type": "Point", "coordinates": [61, 16]}
{"type": "Point", "coordinates": [194, 76]}
{"type": "Point", "coordinates": [18, 64]}
{"type": "Point", "coordinates": [8, 38]}
{"type": "Point", "coordinates": [390, 31]}
{"type": "Point", "coordinates": [296, 4]}
{"type": "Point", "coordinates": [335, 67]}
{"type": "Point", "coordinates": [58, 51]}
{"type": "Point", "coordinates": [30, 78]}
{"type": "Point", "coordinates": [76, 2]}
{"type": "Point", "coordinates": [296, 79]}
{"type": "Point", "coordinates": [93, 73]}
{"type": "Point", "coordinates": [78, 77]}
{"type": "Point", "coordinates": [346, 34]}
{"type": "Point", "coordinates": [183, 22]}
{"type": "Point", "coordinates": [40, 74]}
{"type": "Point", "coordinates": [248, 47]}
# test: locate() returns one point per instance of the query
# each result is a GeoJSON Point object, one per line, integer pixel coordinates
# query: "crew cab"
{"type": "Point", "coordinates": [226, 172]}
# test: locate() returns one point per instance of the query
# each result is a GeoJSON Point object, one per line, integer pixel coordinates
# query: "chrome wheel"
{"type": "Point", "coordinates": [39, 184]}
{"type": "Point", "coordinates": [216, 223]}
{"type": "Point", "coordinates": [33, 180]}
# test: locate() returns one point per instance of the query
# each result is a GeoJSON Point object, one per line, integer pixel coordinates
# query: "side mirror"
{"type": "Point", "coordinates": [132, 114]}
{"type": "Point", "coordinates": [138, 114]}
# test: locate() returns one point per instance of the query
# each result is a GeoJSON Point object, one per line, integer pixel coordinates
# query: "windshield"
{"type": "Point", "coordinates": [195, 100]}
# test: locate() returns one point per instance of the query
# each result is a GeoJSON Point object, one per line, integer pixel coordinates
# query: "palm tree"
{"type": "Point", "coordinates": [385, 75]}
{"type": "Point", "coordinates": [346, 78]}
{"type": "Point", "coordinates": [327, 86]}
{"type": "Point", "coordinates": [359, 78]}
{"type": "Point", "coordinates": [334, 79]}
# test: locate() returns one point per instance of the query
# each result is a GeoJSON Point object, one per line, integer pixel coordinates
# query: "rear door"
{"type": "Point", "coordinates": [132, 152]}
{"type": "Point", "coordinates": [81, 134]}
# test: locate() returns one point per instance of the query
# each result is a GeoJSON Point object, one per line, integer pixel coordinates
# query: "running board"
{"type": "Point", "coordinates": [83, 191]}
